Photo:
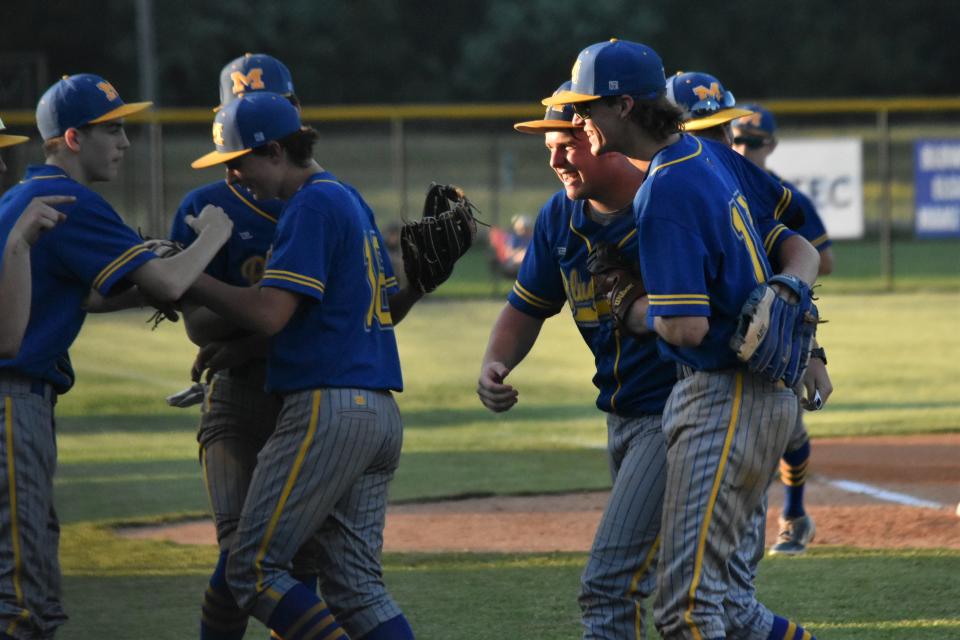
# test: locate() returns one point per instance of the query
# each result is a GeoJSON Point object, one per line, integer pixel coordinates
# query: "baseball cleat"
{"type": "Point", "coordinates": [795, 534]}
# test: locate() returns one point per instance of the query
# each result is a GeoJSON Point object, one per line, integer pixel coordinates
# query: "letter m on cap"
{"type": "Point", "coordinates": [245, 81]}
{"type": "Point", "coordinates": [704, 92]}
{"type": "Point", "coordinates": [108, 90]}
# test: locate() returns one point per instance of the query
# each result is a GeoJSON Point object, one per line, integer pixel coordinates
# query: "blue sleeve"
{"type": "Point", "coordinates": [393, 285]}
{"type": "Point", "coordinates": [304, 247]}
{"type": "Point", "coordinates": [675, 287]}
{"type": "Point", "coordinates": [813, 228]}
{"type": "Point", "coordinates": [96, 246]}
{"type": "Point", "coordinates": [539, 291]}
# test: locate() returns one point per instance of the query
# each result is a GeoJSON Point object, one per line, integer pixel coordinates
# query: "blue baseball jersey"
{"type": "Point", "coordinates": [329, 251]}
{"type": "Point", "coordinates": [631, 377]}
{"type": "Point", "coordinates": [701, 241]}
{"type": "Point", "coordinates": [241, 260]}
{"type": "Point", "coordinates": [812, 228]}
{"type": "Point", "coordinates": [91, 249]}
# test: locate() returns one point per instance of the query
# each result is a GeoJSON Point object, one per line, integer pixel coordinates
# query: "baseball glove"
{"type": "Point", "coordinates": [773, 336]}
{"type": "Point", "coordinates": [616, 277]}
{"type": "Point", "coordinates": [163, 249]}
{"type": "Point", "coordinates": [433, 244]}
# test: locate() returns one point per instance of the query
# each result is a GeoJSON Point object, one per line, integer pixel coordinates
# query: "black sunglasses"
{"type": "Point", "coordinates": [751, 142]}
{"type": "Point", "coordinates": [583, 109]}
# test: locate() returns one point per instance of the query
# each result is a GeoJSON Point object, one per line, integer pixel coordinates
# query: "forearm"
{"type": "Point", "coordinates": [168, 279]}
{"type": "Point", "coordinates": [799, 258]}
{"type": "Point", "coordinates": [129, 299]}
{"type": "Point", "coordinates": [682, 331]}
{"type": "Point", "coordinates": [14, 296]}
{"type": "Point", "coordinates": [636, 318]}
{"type": "Point", "coordinates": [245, 307]}
{"type": "Point", "coordinates": [402, 301]}
{"type": "Point", "coordinates": [513, 335]}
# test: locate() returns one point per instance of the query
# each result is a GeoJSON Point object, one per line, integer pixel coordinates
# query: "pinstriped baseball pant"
{"type": "Point", "coordinates": [30, 606]}
{"type": "Point", "coordinates": [326, 470]}
{"type": "Point", "coordinates": [237, 420]}
{"type": "Point", "coordinates": [725, 431]}
{"type": "Point", "coordinates": [620, 569]}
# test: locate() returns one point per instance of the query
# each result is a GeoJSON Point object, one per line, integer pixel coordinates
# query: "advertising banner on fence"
{"type": "Point", "coordinates": [830, 172]}
{"type": "Point", "coordinates": [937, 188]}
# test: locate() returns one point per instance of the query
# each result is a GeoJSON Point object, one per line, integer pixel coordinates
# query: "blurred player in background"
{"type": "Point", "coordinates": [594, 206]}
{"type": "Point", "coordinates": [333, 360]}
{"type": "Point", "coordinates": [754, 137]}
{"type": "Point", "coordinates": [15, 289]}
{"type": "Point", "coordinates": [87, 262]}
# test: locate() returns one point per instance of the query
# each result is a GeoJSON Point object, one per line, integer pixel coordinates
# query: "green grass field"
{"type": "Point", "coordinates": [126, 457]}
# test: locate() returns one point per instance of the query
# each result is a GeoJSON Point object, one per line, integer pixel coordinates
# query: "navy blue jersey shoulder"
{"type": "Point", "coordinates": [241, 260]}
{"type": "Point", "coordinates": [630, 377]}
{"type": "Point", "coordinates": [812, 228]}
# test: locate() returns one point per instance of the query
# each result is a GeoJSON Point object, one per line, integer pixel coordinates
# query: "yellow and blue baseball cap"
{"type": "Point", "coordinates": [253, 72]}
{"type": "Point", "coordinates": [251, 121]}
{"type": "Point", "coordinates": [704, 101]}
{"type": "Point", "coordinates": [759, 123]}
{"type": "Point", "coordinates": [7, 140]}
{"type": "Point", "coordinates": [613, 68]}
{"type": "Point", "coordinates": [556, 117]}
{"type": "Point", "coordinates": [78, 100]}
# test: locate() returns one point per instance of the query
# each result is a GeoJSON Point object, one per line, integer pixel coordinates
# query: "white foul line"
{"type": "Point", "coordinates": [883, 494]}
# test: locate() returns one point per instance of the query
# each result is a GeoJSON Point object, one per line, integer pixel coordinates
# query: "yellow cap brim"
{"type": "Point", "coordinates": [567, 97]}
{"type": "Point", "coordinates": [8, 140]}
{"type": "Point", "coordinates": [122, 112]}
{"type": "Point", "coordinates": [720, 117]}
{"type": "Point", "coordinates": [217, 157]}
{"type": "Point", "coordinates": [542, 126]}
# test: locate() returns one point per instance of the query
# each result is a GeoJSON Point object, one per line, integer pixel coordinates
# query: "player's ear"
{"type": "Point", "coordinates": [274, 151]}
{"type": "Point", "coordinates": [71, 138]}
{"type": "Point", "coordinates": [626, 105]}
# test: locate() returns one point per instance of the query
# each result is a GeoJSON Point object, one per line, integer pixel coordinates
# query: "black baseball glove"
{"type": "Point", "coordinates": [433, 244]}
{"type": "Point", "coordinates": [617, 278]}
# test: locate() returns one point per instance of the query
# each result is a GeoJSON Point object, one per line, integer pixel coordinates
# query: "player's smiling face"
{"type": "Point", "coordinates": [573, 162]}
{"type": "Point", "coordinates": [602, 120]}
{"type": "Point", "coordinates": [101, 150]}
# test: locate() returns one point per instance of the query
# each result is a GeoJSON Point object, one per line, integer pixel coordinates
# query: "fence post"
{"type": "Point", "coordinates": [886, 199]}
{"type": "Point", "coordinates": [399, 146]}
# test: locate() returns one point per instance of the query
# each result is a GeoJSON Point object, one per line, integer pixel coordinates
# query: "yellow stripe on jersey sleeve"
{"type": "Point", "coordinates": [819, 241]}
{"type": "Point", "coordinates": [112, 268]}
{"type": "Point", "coordinates": [772, 238]}
{"type": "Point", "coordinates": [530, 298]}
{"type": "Point", "coordinates": [683, 298]}
{"type": "Point", "coordinates": [783, 204]}
{"type": "Point", "coordinates": [290, 276]}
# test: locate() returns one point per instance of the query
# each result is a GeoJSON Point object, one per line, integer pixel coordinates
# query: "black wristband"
{"type": "Point", "coordinates": [819, 354]}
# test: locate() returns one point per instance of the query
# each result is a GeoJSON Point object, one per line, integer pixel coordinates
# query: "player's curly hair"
{"type": "Point", "coordinates": [658, 117]}
{"type": "Point", "coordinates": [298, 145]}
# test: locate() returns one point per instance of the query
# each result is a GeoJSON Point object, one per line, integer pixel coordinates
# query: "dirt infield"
{"type": "Point", "coordinates": [923, 471]}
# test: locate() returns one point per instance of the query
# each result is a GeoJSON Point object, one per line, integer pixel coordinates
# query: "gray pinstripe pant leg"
{"type": "Point", "coordinates": [237, 421]}
{"type": "Point", "coordinates": [747, 618]}
{"type": "Point", "coordinates": [30, 605]}
{"type": "Point", "coordinates": [726, 431]}
{"type": "Point", "coordinates": [325, 468]}
{"type": "Point", "coordinates": [620, 570]}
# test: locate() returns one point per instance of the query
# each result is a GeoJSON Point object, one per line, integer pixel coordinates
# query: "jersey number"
{"type": "Point", "coordinates": [743, 226]}
{"type": "Point", "coordinates": [379, 310]}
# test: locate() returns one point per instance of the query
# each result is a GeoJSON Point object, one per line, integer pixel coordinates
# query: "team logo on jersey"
{"type": "Point", "coordinates": [108, 90]}
{"type": "Point", "coordinates": [252, 269]}
{"type": "Point", "coordinates": [581, 297]}
{"type": "Point", "coordinates": [253, 79]}
{"type": "Point", "coordinates": [218, 133]}
{"type": "Point", "coordinates": [713, 91]}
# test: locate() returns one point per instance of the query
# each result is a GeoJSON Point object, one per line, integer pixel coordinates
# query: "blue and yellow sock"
{"type": "Point", "coordinates": [396, 628]}
{"type": "Point", "coordinates": [301, 614]}
{"type": "Point", "coordinates": [793, 474]}
{"type": "Point", "coordinates": [221, 618]}
{"type": "Point", "coordinates": [783, 629]}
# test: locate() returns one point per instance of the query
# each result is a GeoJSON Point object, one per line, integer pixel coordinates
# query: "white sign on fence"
{"type": "Point", "coordinates": [830, 172]}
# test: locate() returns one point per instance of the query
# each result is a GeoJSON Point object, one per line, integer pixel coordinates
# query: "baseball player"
{"type": "Point", "coordinates": [39, 216]}
{"type": "Point", "coordinates": [593, 207]}
{"type": "Point", "coordinates": [81, 121]}
{"type": "Point", "coordinates": [238, 415]}
{"type": "Point", "coordinates": [755, 139]}
{"type": "Point", "coordinates": [333, 360]}
{"type": "Point", "coordinates": [725, 427]}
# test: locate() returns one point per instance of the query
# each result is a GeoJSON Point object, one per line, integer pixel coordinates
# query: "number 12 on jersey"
{"type": "Point", "coordinates": [379, 310]}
